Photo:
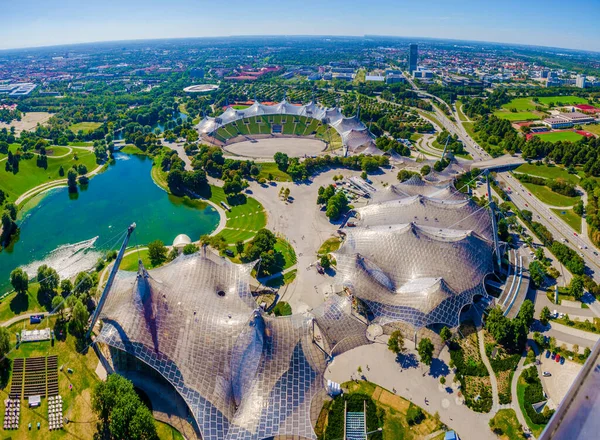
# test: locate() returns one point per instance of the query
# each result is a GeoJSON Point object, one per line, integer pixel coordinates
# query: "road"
{"type": "Point", "coordinates": [521, 197]}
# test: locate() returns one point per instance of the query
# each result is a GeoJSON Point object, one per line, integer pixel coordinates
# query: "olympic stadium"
{"type": "Point", "coordinates": [286, 119]}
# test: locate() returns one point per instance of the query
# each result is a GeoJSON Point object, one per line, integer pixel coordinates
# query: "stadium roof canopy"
{"type": "Point", "coordinates": [417, 259]}
{"type": "Point", "coordinates": [243, 374]}
{"type": "Point", "coordinates": [355, 135]}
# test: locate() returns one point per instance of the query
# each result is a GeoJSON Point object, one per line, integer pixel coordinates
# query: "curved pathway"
{"type": "Point", "coordinates": [515, 397]}
{"type": "Point", "coordinates": [48, 185]}
{"type": "Point", "coordinates": [486, 362]}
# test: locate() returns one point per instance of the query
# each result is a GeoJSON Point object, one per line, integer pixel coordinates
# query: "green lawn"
{"type": "Point", "coordinates": [520, 104]}
{"type": "Point", "coordinates": [167, 432]}
{"type": "Point", "coordinates": [81, 144]}
{"type": "Point", "coordinates": [570, 218]}
{"type": "Point", "coordinates": [461, 115]}
{"type": "Point", "coordinates": [519, 116]}
{"type": "Point", "coordinates": [76, 402]}
{"type": "Point", "coordinates": [593, 128]}
{"type": "Point", "coordinates": [506, 421]}
{"type": "Point", "coordinates": [132, 149]}
{"type": "Point", "coordinates": [330, 245]}
{"type": "Point", "coordinates": [288, 252]}
{"type": "Point", "coordinates": [13, 305]}
{"type": "Point", "coordinates": [535, 429]}
{"type": "Point", "coordinates": [547, 172]}
{"type": "Point", "coordinates": [431, 118]}
{"type": "Point", "coordinates": [549, 197]}
{"type": "Point", "coordinates": [30, 175]}
{"type": "Point", "coordinates": [564, 100]}
{"type": "Point", "coordinates": [243, 221]}
{"type": "Point", "coordinates": [85, 126]}
{"type": "Point", "coordinates": [130, 261]}
{"type": "Point", "coordinates": [281, 280]}
{"type": "Point", "coordinates": [556, 136]}
{"type": "Point", "coordinates": [271, 168]}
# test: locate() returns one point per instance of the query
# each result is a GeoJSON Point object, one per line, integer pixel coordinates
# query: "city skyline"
{"type": "Point", "coordinates": [71, 22]}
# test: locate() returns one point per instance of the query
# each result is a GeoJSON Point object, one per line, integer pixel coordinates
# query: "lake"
{"type": "Point", "coordinates": [70, 233]}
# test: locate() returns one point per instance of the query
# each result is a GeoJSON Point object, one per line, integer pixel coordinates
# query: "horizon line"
{"type": "Point", "coordinates": [365, 36]}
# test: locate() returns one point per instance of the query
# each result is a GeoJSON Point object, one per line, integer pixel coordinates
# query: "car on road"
{"type": "Point", "coordinates": [575, 234]}
{"type": "Point", "coordinates": [547, 354]}
{"type": "Point", "coordinates": [562, 360]}
{"type": "Point", "coordinates": [546, 374]}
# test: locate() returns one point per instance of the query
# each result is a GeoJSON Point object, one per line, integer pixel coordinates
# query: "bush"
{"type": "Point", "coordinates": [414, 415]}
{"type": "Point", "coordinates": [282, 309]}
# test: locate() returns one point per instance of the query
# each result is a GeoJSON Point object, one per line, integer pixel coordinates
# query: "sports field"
{"type": "Point", "coordinates": [518, 116]}
{"type": "Point", "coordinates": [266, 148]}
{"type": "Point", "coordinates": [86, 127]}
{"type": "Point", "coordinates": [560, 136]}
{"type": "Point", "coordinates": [562, 100]}
{"type": "Point", "coordinates": [520, 104]}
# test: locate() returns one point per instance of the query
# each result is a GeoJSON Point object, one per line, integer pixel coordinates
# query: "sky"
{"type": "Point", "coordinates": [572, 24]}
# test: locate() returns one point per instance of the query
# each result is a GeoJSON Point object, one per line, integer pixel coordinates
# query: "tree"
{"type": "Point", "coordinates": [396, 342]}
{"type": "Point", "coordinates": [83, 283]}
{"type": "Point", "coordinates": [336, 206]}
{"type": "Point", "coordinates": [576, 287]}
{"type": "Point", "coordinates": [190, 249]}
{"type": "Point", "coordinates": [66, 287]}
{"type": "Point", "coordinates": [445, 334]}
{"type": "Point", "coordinates": [282, 161]}
{"type": "Point", "coordinates": [79, 318]}
{"type": "Point", "coordinates": [58, 305]}
{"type": "Point", "coordinates": [325, 262]}
{"type": "Point", "coordinates": [239, 246]}
{"type": "Point", "coordinates": [545, 315]}
{"type": "Point", "coordinates": [587, 352]}
{"type": "Point", "coordinates": [72, 180]}
{"type": "Point", "coordinates": [19, 280]}
{"type": "Point", "coordinates": [48, 279]}
{"type": "Point", "coordinates": [425, 350]}
{"type": "Point", "coordinates": [157, 252]}
{"type": "Point", "coordinates": [526, 313]}
{"type": "Point", "coordinates": [4, 342]}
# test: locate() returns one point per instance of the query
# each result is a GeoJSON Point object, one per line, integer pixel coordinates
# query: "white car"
{"type": "Point", "coordinates": [546, 374]}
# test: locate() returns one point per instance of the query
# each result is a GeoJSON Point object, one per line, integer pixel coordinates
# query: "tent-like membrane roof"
{"type": "Point", "coordinates": [243, 374]}
{"type": "Point", "coordinates": [355, 135]}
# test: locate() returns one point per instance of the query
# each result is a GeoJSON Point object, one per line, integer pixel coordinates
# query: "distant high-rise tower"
{"type": "Point", "coordinates": [413, 54]}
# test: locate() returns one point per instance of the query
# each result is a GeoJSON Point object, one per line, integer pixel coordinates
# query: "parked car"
{"type": "Point", "coordinates": [557, 358]}
{"type": "Point", "coordinates": [553, 355]}
{"type": "Point", "coordinates": [562, 360]}
{"type": "Point", "coordinates": [546, 374]}
{"type": "Point", "coordinates": [547, 354]}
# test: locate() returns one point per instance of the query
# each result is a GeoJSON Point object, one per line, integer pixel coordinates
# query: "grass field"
{"type": "Point", "coordinates": [506, 421]}
{"type": "Point", "coordinates": [13, 305]}
{"type": "Point", "coordinates": [593, 128]}
{"type": "Point", "coordinates": [549, 197]}
{"type": "Point", "coordinates": [270, 168]}
{"type": "Point", "coordinates": [520, 104]}
{"type": "Point", "coordinates": [167, 432]}
{"type": "Point", "coordinates": [562, 100]}
{"type": "Point", "coordinates": [76, 402]}
{"type": "Point", "coordinates": [330, 245]}
{"type": "Point", "coordinates": [132, 149]}
{"type": "Point", "coordinates": [288, 252]}
{"type": "Point", "coordinates": [80, 144]}
{"type": "Point", "coordinates": [30, 175]}
{"type": "Point", "coordinates": [243, 221]}
{"type": "Point", "coordinates": [130, 262]}
{"type": "Point", "coordinates": [86, 127]}
{"type": "Point", "coordinates": [519, 116]}
{"type": "Point", "coordinates": [548, 172]}
{"type": "Point", "coordinates": [535, 429]}
{"type": "Point", "coordinates": [282, 280]}
{"type": "Point", "coordinates": [461, 116]}
{"type": "Point", "coordinates": [556, 136]}
{"type": "Point", "coordinates": [570, 218]}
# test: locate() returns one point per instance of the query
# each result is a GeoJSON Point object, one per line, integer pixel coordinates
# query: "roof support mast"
{"type": "Point", "coordinates": [111, 278]}
{"type": "Point", "coordinates": [494, 226]}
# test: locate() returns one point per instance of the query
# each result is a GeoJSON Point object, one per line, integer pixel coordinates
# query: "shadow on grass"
{"type": "Point", "coordinates": [20, 303]}
{"type": "Point", "coordinates": [60, 330]}
{"type": "Point", "coordinates": [5, 367]}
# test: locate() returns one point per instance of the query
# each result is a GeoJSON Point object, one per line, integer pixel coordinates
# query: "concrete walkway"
{"type": "Point", "coordinates": [515, 397]}
{"type": "Point", "coordinates": [486, 362]}
{"type": "Point", "coordinates": [589, 336]}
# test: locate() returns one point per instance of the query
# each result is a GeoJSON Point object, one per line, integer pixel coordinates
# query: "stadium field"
{"type": "Point", "coordinates": [562, 100]}
{"type": "Point", "coordinates": [560, 136]}
{"type": "Point", "coordinates": [519, 116]}
{"type": "Point", "coordinates": [520, 104]}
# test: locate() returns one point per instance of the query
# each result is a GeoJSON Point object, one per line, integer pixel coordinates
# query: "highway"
{"type": "Point", "coordinates": [521, 197]}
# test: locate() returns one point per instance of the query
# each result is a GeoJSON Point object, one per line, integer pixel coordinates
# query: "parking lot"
{"type": "Point", "coordinates": [562, 376]}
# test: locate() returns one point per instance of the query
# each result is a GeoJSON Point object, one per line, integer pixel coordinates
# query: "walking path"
{"type": "Point", "coordinates": [486, 362]}
{"type": "Point", "coordinates": [515, 396]}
